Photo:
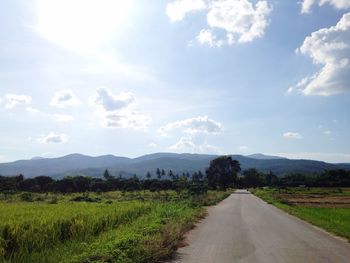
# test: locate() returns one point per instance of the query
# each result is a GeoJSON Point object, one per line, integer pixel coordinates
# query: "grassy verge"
{"type": "Point", "coordinates": [127, 231]}
{"type": "Point", "coordinates": [335, 220]}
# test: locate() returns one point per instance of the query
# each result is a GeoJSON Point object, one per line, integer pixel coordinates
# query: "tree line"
{"type": "Point", "coordinates": [327, 178]}
{"type": "Point", "coordinates": [222, 173]}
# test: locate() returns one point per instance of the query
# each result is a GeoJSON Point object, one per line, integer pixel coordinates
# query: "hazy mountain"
{"type": "Point", "coordinates": [345, 166]}
{"type": "Point", "coordinates": [264, 157]}
{"type": "Point", "coordinates": [78, 164]}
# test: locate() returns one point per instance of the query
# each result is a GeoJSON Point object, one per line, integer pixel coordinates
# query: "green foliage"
{"type": "Point", "coordinates": [146, 228]}
{"type": "Point", "coordinates": [25, 228]}
{"type": "Point", "coordinates": [222, 172]}
{"type": "Point", "coordinates": [253, 178]}
{"type": "Point", "coordinates": [27, 197]}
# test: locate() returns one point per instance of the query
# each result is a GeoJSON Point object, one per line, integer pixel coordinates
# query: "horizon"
{"type": "Point", "coordinates": [184, 153]}
{"type": "Point", "coordinates": [196, 76]}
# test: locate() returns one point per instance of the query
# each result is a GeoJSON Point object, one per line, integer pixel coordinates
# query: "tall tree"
{"type": "Point", "coordinates": [252, 178]}
{"type": "Point", "coordinates": [222, 172]}
{"type": "Point", "coordinates": [107, 175]}
{"type": "Point", "coordinates": [159, 175]}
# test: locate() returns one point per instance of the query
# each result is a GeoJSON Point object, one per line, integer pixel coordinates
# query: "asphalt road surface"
{"type": "Point", "coordinates": [243, 228]}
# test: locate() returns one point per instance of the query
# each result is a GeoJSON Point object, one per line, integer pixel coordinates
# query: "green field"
{"type": "Point", "coordinates": [327, 216]}
{"type": "Point", "coordinates": [109, 227]}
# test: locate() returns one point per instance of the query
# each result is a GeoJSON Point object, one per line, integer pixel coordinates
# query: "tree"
{"type": "Point", "coordinates": [222, 172]}
{"type": "Point", "coordinates": [271, 178]}
{"type": "Point", "coordinates": [148, 175]}
{"type": "Point", "coordinates": [252, 178]}
{"type": "Point", "coordinates": [171, 175]}
{"type": "Point", "coordinates": [159, 175]}
{"type": "Point", "coordinates": [107, 175]}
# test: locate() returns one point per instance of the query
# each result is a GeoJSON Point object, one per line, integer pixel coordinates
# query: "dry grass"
{"type": "Point", "coordinates": [315, 200]}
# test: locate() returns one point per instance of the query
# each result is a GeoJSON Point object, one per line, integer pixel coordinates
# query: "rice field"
{"type": "Point", "coordinates": [113, 227]}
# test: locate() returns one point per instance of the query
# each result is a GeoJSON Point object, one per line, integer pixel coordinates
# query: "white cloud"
{"type": "Point", "coordinates": [243, 148]}
{"type": "Point", "coordinates": [200, 124]}
{"type": "Point", "coordinates": [63, 118]}
{"type": "Point", "coordinates": [186, 144]}
{"type": "Point", "coordinates": [127, 119]}
{"type": "Point", "coordinates": [206, 37]}
{"type": "Point", "coordinates": [240, 18]}
{"type": "Point", "coordinates": [177, 10]}
{"type": "Point", "coordinates": [152, 145]}
{"type": "Point", "coordinates": [328, 47]}
{"type": "Point", "coordinates": [13, 100]}
{"type": "Point", "coordinates": [339, 4]}
{"type": "Point", "coordinates": [208, 148]}
{"type": "Point", "coordinates": [110, 102]}
{"type": "Point", "coordinates": [64, 98]}
{"type": "Point", "coordinates": [292, 135]}
{"type": "Point", "coordinates": [31, 109]}
{"type": "Point", "coordinates": [53, 138]}
{"type": "Point", "coordinates": [117, 111]}
{"type": "Point", "coordinates": [327, 132]}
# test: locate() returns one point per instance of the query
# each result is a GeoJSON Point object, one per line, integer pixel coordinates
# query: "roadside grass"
{"type": "Point", "coordinates": [335, 220]}
{"type": "Point", "coordinates": [117, 231]}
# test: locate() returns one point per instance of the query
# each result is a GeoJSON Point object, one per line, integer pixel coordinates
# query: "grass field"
{"type": "Point", "coordinates": [109, 227]}
{"type": "Point", "coordinates": [327, 208]}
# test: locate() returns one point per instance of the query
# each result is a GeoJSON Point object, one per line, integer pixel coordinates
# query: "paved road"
{"type": "Point", "coordinates": [243, 228]}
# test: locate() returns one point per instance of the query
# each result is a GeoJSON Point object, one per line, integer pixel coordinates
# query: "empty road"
{"type": "Point", "coordinates": [243, 228]}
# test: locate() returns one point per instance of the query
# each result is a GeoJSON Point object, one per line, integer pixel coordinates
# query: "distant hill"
{"type": "Point", "coordinates": [264, 157]}
{"type": "Point", "coordinates": [78, 164]}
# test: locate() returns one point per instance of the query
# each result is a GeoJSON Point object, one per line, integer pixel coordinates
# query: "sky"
{"type": "Point", "coordinates": [199, 76]}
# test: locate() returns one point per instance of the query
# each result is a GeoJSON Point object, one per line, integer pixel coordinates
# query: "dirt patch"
{"type": "Point", "coordinates": [316, 200]}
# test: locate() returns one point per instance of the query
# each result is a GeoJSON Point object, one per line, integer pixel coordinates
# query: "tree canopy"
{"type": "Point", "coordinates": [222, 172]}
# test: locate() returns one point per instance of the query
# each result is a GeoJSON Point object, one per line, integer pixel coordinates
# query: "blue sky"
{"type": "Point", "coordinates": [135, 77]}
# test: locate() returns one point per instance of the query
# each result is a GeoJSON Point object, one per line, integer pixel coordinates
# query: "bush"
{"type": "Point", "coordinates": [26, 197]}
{"type": "Point", "coordinates": [84, 198]}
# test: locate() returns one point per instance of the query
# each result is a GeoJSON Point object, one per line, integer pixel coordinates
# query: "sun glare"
{"type": "Point", "coordinates": [81, 25]}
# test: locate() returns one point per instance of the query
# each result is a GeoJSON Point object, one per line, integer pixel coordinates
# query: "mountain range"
{"type": "Point", "coordinates": [78, 164]}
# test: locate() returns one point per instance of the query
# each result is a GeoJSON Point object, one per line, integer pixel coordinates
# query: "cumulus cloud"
{"type": "Point", "coordinates": [206, 37]}
{"type": "Point", "coordinates": [63, 117]}
{"type": "Point", "coordinates": [187, 144]}
{"type": "Point", "coordinates": [306, 5]}
{"type": "Point", "coordinates": [13, 100]}
{"type": "Point", "coordinates": [184, 143]}
{"type": "Point", "coordinates": [64, 98]}
{"type": "Point", "coordinates": [330, 48]}
{"type": "Point", "coordinates": [53, 138]}
{"type": "Point", "coordinates": [239, 20]}
{"type": "Point", "coordinates": [110, 102]}
{"type": "Point", "coordinates": [200, 124]}
{"type": "Point", "coordinates": [177, 10]}
{"type": "Point", "coordinates": [292, 135]}
{"type": "Point", "coordinates": [117, 111]}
